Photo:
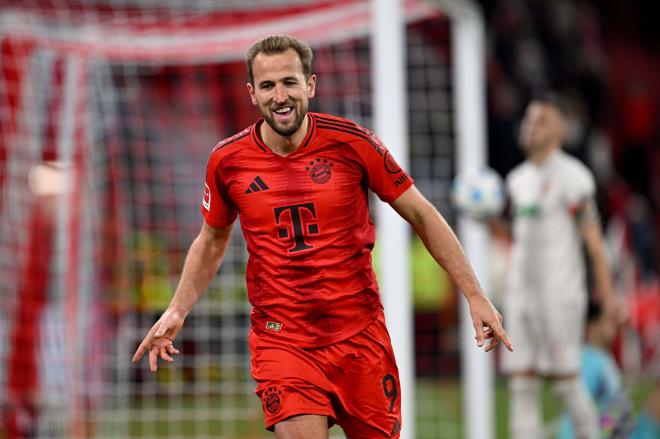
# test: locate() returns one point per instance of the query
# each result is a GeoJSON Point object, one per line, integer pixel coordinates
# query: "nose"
{"type": "Point", "coordinates": [281, 94]}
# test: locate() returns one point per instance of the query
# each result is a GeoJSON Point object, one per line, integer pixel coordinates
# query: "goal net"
{"type": "Point", "coordinates": [109, 109]}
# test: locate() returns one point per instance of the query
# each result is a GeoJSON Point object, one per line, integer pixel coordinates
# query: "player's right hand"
{"type": "Point", "coordinates": [487, 322]}
{"type": "Point", "coordinates": [160, 338]}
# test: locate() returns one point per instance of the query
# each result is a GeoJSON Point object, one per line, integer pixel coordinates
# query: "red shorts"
{"type": "Point", "coordinates": [354, 382]}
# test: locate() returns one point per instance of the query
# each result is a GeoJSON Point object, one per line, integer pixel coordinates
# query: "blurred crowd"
{"type": "Point", "coordinates": [601, 58]}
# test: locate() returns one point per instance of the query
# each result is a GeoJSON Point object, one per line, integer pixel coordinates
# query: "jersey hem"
{"type": "Point", "coordinates": [316, 343]}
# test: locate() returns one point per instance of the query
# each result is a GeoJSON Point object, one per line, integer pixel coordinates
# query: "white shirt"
{"type": "Point", "coordinates": [547, 263]}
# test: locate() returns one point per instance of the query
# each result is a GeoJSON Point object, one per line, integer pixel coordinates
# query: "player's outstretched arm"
{"type": "Point", "coordinates": [202, 263]}
{"type": "Point", "coordinates": [442, 244]}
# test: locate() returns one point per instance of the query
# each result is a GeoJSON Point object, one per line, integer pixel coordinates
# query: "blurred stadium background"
{"type": "Point", "coordinates": [108, 110]}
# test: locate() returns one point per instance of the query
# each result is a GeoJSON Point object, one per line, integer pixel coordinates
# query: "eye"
{"type": "Point", "coordinates": [266, 86]}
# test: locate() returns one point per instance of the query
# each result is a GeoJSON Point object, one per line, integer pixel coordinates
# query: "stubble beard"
{"type": "Point", "coordinates": [286, 131]}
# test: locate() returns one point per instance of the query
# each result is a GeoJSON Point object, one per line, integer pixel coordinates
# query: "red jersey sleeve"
{"type": "Point", "coordinates": [218, 210]}
{"type": "Point", "coordinates": [384, 175]}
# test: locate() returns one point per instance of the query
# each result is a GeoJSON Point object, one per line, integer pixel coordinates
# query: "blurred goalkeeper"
{"type": "Point", "coordinates": [552, 202]}
{"type": "Point", "coordinates": [320, 350]}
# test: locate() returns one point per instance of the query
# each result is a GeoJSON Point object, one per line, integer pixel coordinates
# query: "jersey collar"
{"type": "Point", "coordinates": [550, 160]}
{"type": "Point", "coordinates": [255, 132]}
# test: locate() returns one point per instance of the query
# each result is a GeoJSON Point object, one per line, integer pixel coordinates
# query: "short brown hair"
{"type": "Point", "coordinates": [554, 100]}
{"type": "Point", "coordinates": [275, 44]}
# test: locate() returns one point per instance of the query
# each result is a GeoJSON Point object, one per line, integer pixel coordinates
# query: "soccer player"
{"type": "Point", "coordinates": [554, 213]}
{"type": "Point", "coordinates": [320, 351]}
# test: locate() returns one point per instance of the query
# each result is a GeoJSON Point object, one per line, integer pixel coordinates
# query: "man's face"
{"type": "Point", "coordinates": [281, 91]}
{"type": "Point", "coordinates": [541, 127]}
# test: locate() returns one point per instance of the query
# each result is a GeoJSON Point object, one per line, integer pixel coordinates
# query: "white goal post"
{"type": "Point", "coordinates": [468, 47]}
{"type": "Point", "coordinates": [468, 41]}
{"type": "Point", "coordinates": [390, 123]}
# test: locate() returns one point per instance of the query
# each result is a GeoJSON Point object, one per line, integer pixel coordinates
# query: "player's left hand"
{"type": "Point", "coordinates": [487, 323]}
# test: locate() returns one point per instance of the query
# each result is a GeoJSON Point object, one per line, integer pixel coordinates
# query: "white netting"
{"type": "Point", "coordinates": [126, 99]}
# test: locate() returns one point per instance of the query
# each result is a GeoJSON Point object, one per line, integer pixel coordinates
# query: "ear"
{"type": "Point", "coordinates": [311, 86]}
{"type": "Point", "coordinates": [252, 95]}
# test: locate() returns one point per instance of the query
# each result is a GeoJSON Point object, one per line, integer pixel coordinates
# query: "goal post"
{"type": "Point", "coordinates": [390, 123]}
{"type": "Point", "coordinates": [469, 102]}
{"type": "Point", "coordinates": [469, 96]}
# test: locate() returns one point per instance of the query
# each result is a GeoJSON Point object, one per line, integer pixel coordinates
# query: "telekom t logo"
{"type": "Point", "coordinates": [293, 222]}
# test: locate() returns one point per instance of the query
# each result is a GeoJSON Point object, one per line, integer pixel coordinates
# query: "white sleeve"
{"type": "Point", "coordinates": [578, 186]}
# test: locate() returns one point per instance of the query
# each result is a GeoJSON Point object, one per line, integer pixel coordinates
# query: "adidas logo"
{"type": "Point", "coordinates": [257, 185]}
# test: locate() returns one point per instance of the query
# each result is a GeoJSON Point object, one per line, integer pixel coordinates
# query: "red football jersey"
{"type": "Point", "coordinates": [305, 218]}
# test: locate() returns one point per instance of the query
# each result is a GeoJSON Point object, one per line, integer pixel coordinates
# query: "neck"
{"type": "Point", "coordinates": [284, 145]}
{"type": "Point", "coordinates": [542, 155]}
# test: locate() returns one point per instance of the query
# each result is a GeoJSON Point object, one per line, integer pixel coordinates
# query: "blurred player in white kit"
{"type": "Point", "coordinates": [554, 213]}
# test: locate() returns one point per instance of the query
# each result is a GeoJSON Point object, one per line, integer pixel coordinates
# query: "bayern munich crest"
{"type": "Point", "coordinates": [320, 170]}
{"type": "Point", "coordinates": [271, 400]}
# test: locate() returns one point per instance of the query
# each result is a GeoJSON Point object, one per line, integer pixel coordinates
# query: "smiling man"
{"type": "Point", "coordinates": [321, 353]}
{"type": "Point", "coordinates": [284, 105]}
